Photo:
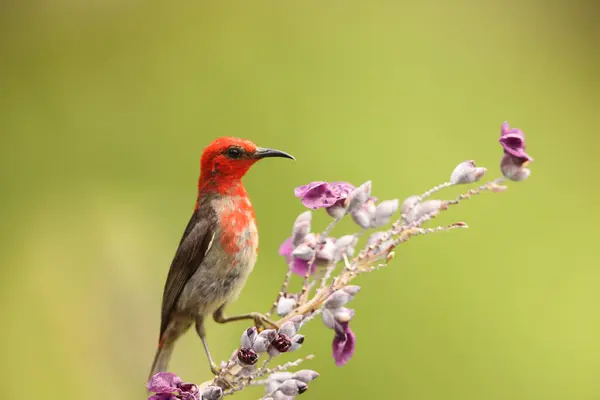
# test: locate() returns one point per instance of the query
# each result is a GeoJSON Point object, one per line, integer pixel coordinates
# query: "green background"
{"type": "Point", "coordinates": [105, 107]}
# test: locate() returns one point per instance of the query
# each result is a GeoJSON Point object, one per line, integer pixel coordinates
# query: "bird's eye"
{"type": "Point", "coordinates": [234, 152]}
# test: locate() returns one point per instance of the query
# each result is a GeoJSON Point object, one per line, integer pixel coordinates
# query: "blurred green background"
{"type": "Point", "coordinates": [105, 107]}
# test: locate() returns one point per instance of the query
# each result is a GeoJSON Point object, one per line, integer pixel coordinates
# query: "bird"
{"type": "Point", "coordinates": [217, 251]}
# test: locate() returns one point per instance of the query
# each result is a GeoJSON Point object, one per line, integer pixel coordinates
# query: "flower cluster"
{"type": "Point", "coordinates": [169, 386]}
{"type": "Point", "coordinates": [287, 385]}
{"type": "Point", "coordinates": [304, 251]}
{"type": "Point", "coordinates": [327, 266]}
{"type": "Point", "coordinates": [337, 317]}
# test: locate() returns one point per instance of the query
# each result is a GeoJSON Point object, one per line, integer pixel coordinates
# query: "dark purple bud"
{"type": "Point", "coordinates": [247, 356]}
{"type": "Point", "coordinates": [281, 343]}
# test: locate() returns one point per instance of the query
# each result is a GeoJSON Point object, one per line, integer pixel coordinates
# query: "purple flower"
{"type": "Point", "coordinates": [321, 194]}
{"type": "Point", "coordinates": [163, 396]}
{"type": "Point", "coordinates": [513, 143]}
{"type": "Point", "coordinates": [299, 266]}
{"type": "Point", "coordinates": [343, 344]}
{"type": "Point", "coordinates": [168, 386]}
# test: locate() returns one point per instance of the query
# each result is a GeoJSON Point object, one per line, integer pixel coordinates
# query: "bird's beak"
{"type": "Point", "coordinates": [263, 153]}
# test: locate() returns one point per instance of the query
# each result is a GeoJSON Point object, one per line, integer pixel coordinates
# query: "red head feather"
{"type": "Point", "coordinates": [226, 160]}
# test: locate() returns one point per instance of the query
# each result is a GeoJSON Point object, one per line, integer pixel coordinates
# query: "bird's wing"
{"type": "Point", "coordinates": [194, 245]}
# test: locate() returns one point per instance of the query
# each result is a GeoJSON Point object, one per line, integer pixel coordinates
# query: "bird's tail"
{"type": "Point", "coordinates": [161, 359]}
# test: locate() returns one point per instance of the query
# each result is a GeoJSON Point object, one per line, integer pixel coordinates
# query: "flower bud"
{"type": "Point", "coordinates": [303, 252]}
{"type": "Point", "coordinates": [336, 211]}
{"type": "Point", "coordinates": [285, 306]}
{"type": "Point", "coordinates": [248, 337]}
{"type": "Point", "coordinates": [310, 240]}
{"type": "Point", "coordinates": [305, 375]}
{"type": "Point", "coordinates": [358, 197]}
{"type": "Point", "coordinates": [247, 356]}
{"type": "Point", "coordinates": [466, 172]}
{"type": "Point", "coordinates": [328, 318]}
{"type": "Point", "coordinates": [384, 212]}
{"type": "Point", "coordinates": [281, 343]}
{"type": "Point", "coordinates": [212, 393]}
{"type": "Point", "coordinates": [409, 204]}
{"type": "Point", "coordinates": [281, 396]}
{"type": "Point", "coordinates": [376, 238]}
{"type": "Point", "coordinates": [326, 251]}
{"type": "Point", "coordinates": [272, 386]}
{"type": "Point", "coordinates": [297, 341]}
{"type": "Point", "coordinates": [345, 245]}
{"type": "Point", "coordinates": [337, 299]}
{"type": "Point", "coordinates": [293, 387]}
{"type": "Point", "coordinates": [288, 329]}
{"type": "Point", "coordinates": [279, 377]}
{"type": "Point", "coordinates": [352, 290]}
{"type": "Point", "coordinates": [363, 216]}
{"type": "Point", "coordinates": [429, 207]}
{"type": "Point", "coordinates": [263, 340]}
{"type": "Point", "coordinates": [513, 171]}
{"type": "Point", "coordinates": [190, 389]}
{"type": "Point", "coordinates": [343, 314]}
{"type": "Point", "coordinates": [297, 320]}
{"type": "Point", "coordinates": [301, 227]}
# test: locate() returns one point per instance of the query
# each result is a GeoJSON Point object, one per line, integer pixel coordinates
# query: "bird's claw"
{"type": "Point", "coordinates": [215, 370]}
{"type": "Point", "coordinates": [261, 321]}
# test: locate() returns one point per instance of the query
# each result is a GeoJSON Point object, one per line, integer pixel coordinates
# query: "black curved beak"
{"type": "Point", "coordinates": [264, 153]}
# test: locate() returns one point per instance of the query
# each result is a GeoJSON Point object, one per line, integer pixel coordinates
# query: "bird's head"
{"type": "Point", "coordinates": [227, 159]}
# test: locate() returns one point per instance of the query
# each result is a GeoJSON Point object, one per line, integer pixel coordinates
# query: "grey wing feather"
{"type": "Point", "coordinates": [195, 243]}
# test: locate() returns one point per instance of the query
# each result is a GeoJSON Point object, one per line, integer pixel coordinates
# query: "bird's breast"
{"type": "Point", "coordinates": [239, 234]}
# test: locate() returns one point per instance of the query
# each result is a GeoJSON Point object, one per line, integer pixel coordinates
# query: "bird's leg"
{"type": "Point", "coordinates": [258, 318]}
{"type": "Point", "coordinates": [202, 333]}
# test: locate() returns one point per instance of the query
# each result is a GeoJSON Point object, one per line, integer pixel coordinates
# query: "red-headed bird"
{"type": "Point", "coordinates": [218, 249]}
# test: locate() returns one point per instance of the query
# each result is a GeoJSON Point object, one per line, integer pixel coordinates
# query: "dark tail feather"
{"type": "Point", "coordinates": [161, 359]}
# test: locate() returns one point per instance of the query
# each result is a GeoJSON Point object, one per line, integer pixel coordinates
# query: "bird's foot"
{"type": "Point", "coordinates": [214, 369]}
{"type": "Point", "coordinates": [261, 321]}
